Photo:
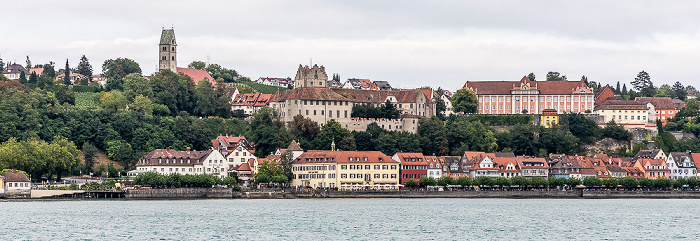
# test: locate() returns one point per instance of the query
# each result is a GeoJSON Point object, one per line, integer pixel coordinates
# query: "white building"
{"type": "Point", "coordinates": [680, 165]}
{"type": "Point", "coordinates": [167, 161]}
{"type": "Point", "coordinates": [240, 155]}
{"type": "Point", "coordinates": [434, 167]}
{"type": "Point", "coordinates": [17, 183]}
{"type": "Point", "coordinates": [628, 113]}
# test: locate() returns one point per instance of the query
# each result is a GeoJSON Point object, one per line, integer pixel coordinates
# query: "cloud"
{"type": "Point", "coordinates": [410, 44]}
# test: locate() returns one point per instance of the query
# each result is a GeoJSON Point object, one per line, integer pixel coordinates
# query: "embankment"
{"type": "Point", "coordinates": [195, 193]}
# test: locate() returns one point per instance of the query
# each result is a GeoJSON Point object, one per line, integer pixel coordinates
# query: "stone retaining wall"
{"type": "Point", "coordinates": [176, 193]}
{"type": "Point", "coordinates": [180, 193]}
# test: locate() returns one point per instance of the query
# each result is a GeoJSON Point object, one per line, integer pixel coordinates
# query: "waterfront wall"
{"type": "Point", "coordinates": [180, 193]}
{"type": "Point", "coordinates": [195, 193]}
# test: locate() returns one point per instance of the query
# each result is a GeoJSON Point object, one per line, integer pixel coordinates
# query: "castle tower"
{"type": "Point", "coordinates": [168, 51]}
{"type": "Point", "coordinates": [314, 77]}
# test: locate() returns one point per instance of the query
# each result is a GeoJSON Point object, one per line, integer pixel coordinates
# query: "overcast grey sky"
{"type": "Point", "coordinates": [408, 43]}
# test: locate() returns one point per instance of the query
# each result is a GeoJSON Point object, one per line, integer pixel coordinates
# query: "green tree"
{"type": "Point", "coordinates": [617, 132]}
{"type": "Point", "coordinates": [304, 130]}
{"type": "Point", "coordinates": [484, 181]}
{"type": "Point", "coordinates": [464, 100]}
{"type": "Point", "coordinates": [664, 91]}
{"type": "Point", "coordinates": [519, 181]}
{"type": "Point", "coordinates": [445, 180]}
{"type": "Point", "coordinates": [333, 131]}
{"type": "Point", "coordinates": [642, 84]}
{"type": "Point", "coordinates": [66, 76]}
{"type": "Point", "coordinates": [531, 76]}
{"type": "Point", "coordinates": [22, 77]}
{"type": "Point", "coordinates": [502, 182]}
{"type": "Point", "coordinates": [411, 184]}
{"type": "Point", "coordinates": [268, 132]}
{"type": "Point", "coordinates": [440, 107]}
{"type": "Point", "coordinates": [143, 104]}
{"type": "Point", "coordinates": [628, 182]}
{"type": "Point", "coordinates": [135, 85]}
{"type": "Point", "coordinates": [29, 63]}
{"type": "Point", "coordinates": [679, 91]}
{"type": "Point", "coordinates": [116, 69]}
{"type": "Point", "coordinates": [197, 65]}
{"type": "Point", "coordinates": [49, 71]}
{"type": "Point", "coordinates": [556, 182]}
{"type": "Point", "coordinates": [469, 136]}
{"type": "Point", "coordinates": [206, 99]}
{"type": "Point", "coordinates": [89, 154]}
{"type": "Point", "coordinates": [555, 76]}
{"type": "Point", "coordinates": [286, 160]}
{"type": "Point", "coordinates": [573, 182]}
{"type": "Point", "coordinates": [270, 173]}
{"type": "Point", "coordinates": [610, 182]}
{"type": "Point", "coordinates": [85, 68]}
{"type": "Point", "coordinates": [580, 126]}
{"type": "Point", "coordinates": [121, 152]}
{"type": "Point", "coordinates": [646, 182]}
{"type": "Point", "coordinates": [113, 100]}
{"type": "Point", "coordinates": [427, 181]}
{"type": "Point", "coordinates": [592, 182]}
{"type": "Point", "coordinates": [662, 183]}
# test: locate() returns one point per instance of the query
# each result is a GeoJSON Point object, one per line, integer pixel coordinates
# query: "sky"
{"type": "Point", "coordinates": [408, 43]}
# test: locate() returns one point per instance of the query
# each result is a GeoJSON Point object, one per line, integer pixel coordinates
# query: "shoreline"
{"type": "Point", "coordinates": [229, 193]}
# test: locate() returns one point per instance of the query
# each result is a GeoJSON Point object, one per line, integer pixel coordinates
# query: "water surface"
{"type": "Point", "coordinates": [356, 219]}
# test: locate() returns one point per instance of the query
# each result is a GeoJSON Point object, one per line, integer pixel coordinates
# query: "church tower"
{"type": "Point", "coordinates": [168, 51]}
{"type": "Point", "coordinates": [314, 77]}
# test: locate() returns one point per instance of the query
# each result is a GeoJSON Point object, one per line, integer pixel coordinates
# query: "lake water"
{"type": "Point", "coordinates": [356, 219]}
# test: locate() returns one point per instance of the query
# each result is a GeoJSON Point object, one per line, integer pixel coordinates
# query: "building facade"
{"type": "Point", "coordinates": [345, 170]}
{"type": "Point", "coordinates": [167, 161]}
{"type": "Point", "coordinates": [413, 166]}
{"type": "Point", "coordinates": [167, 51]}
{"type": "Point", "coordinates": [311, 77]}
{"type": "Point", "coordinates": [526, 96]}
{"type": "Point", "coordinates": [681, 165]}
{"type": "Point", "coordinates": [628, 113]}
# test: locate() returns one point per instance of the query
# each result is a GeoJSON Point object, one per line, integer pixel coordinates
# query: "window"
{"type": "Point", "coordinates": [393, 167]}
{"type": "Point", "coordinates": [376, 167]}
{"type": "Point", "coordinates": [343, 175]}
{"type": "Point", "coordinates": [343, 167]}
{"type": "Point", "coordinates": [366, 167]}
{"type": "Point", "coordinates": [393, 175]}
{"type": "Point", "coordinates": [376, 175]}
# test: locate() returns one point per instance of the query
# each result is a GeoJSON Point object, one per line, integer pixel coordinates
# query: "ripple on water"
{"type": "Point", "coordinates": [356, 219]}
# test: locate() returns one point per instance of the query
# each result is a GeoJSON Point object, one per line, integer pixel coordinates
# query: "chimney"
{"type": "Point", "coordinates": [188, 150]}
{"type": "Point", "coordinates": [167, 149]}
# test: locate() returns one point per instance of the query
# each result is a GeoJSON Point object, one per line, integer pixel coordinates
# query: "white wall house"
{"type": "Point", "coordinates": [680, 165]}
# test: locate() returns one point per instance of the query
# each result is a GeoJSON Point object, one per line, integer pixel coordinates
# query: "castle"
{"type": "Point", "coordinates": [314, 77]}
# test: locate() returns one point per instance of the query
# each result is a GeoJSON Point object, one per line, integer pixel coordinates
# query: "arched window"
{"type": "Point", "coordinates": [173, 58]}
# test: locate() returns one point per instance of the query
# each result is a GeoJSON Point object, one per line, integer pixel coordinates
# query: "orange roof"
{"type": "Point", "coordinates": [353, 157]}
{"type": "Point", "coordinates": [532, 162]}
{"type": "Point", "coordinates": [197, 75]}
{"type": "Point", "coordinates": [412, 158]}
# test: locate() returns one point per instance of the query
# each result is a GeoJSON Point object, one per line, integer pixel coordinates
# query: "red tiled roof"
{"type": "Point", "coordinates": [256, 100]}
{"type": "Point", "coordinates": [412, 158]}
{"type": "Point", "coordinates": [522, 161]}
{"type": "Point", "coordinates": [15, 176]}
{"type": "Point", "coordinates": [660, 103]}
{"type": "Point", "coordinates": [545, 87]}
{"type": "Point", "coordinates": [174, 157]}
{"type": "Point", "coordinates": [38, 71]}
{"type": "Point", "coordinates": [358, 157]}
{"type": "Point", "coordinates": [197, 75]}
{"type": "Point", "coordinates": [621, 105]}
